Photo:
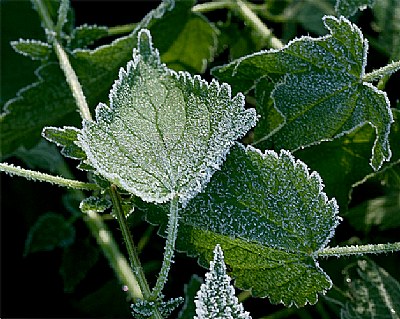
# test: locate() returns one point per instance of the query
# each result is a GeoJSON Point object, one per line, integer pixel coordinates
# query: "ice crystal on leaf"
{"type": "Point", "coordinates": [165, 133]}
{"type": "Point", "coordinates": [216, 297]}
{"type": "Point", "coordinates": [318, 90]}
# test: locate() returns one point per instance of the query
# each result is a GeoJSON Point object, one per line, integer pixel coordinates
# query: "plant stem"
{"type": "Point", "coordinates": [211, 6]}
{"type": "Point", "coordinates": [42, 177]}
{"type": "Point", "coordinates": [172, 232]}
{"type": "Point", "coordinates": [130, 246]}
{"type": "Point", "coordinates": [388, 69]}
{"type": "Point", "coordinates": [359, 250]}
{"type": "Point", "coordinates": [65, 65]}
{"type": "Point", "coordinates": [254, 21]}
{"type": "Point", "coordinates": [121, 29]}
{"type": "Point", "coordinates": [112, 253]}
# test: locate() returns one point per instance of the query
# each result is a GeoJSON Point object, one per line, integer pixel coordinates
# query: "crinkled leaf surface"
{"type": "Point", "coordinates": [165, 133]}
{"type": "Point", "coordinates": [270, 217]}
{"type": "Point", "coordinates": [375, 293]}
{"type": "Point", "coordinates": [319, 92]}
{"type": "Point", "coordinates": [349, 7]}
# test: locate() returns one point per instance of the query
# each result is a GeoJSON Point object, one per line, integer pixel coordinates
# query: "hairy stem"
{"type": "Point", "coordinates": [112, 253]}
{"type": "Point", "coordinates": [42, 177]}
{"type": "Point", "coordinates": [172, 232]}
{"type": "Point", "coordinates": [254, 21]}
{"type": "Point", "coordinates": [359, 250]}
{"type": "Point", "coordinates": [132, 253]}
{"type": "Point", "coordinates": [121, 29]}
{"type": "Point", "coordinates": [377, 74]}
{"type": "Point", "coordinates": [211, 6]}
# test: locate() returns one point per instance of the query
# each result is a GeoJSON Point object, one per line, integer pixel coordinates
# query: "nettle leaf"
{"type": "Point", "coordinates": [144, 309]}
{"type": "Point", "coordinates": [375, 294]}
{"type": "Point", "coordinates": [343, 162]}
{"type": "Point", "coordinates": [95, 203]}
{"type": "Point", "coordinates": [36, 50]}
{"type": "Point", "coordinates": [319, 90]}
{"type": "Point", "coordinates": [216, 297]}
{"type": "Point", "coordinates": [50, 231]}
{"type": "Point", "coordinates": [349, 7]}
{"type": "Point", "coordinates": [85, 35]}
{"type": "Point", "coordinates": [23, 120]}
{"type": "Point", "coordinates": [165, 133]}
{"type": "Point", "coordinates": [270, 217]}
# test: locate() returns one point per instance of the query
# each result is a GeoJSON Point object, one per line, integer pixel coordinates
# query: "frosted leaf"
{"type": "Point", "coordinates": [319, 91]}
{"type": "Point", "coordinates": [216, 297]}
{"type": "Point", "coordinates": [270, 216]}
{"type": "Point", "coordinates": [98, 204]}
{"type": "Point", "coordinates": [144, 309]}
{"type": "Point", "coordinates": [349, 7]}
{"type": "Point", "coordinates": [34, 49]}
{"type": "Point", "coordinates": [375, 293]}
{"type": "Point", "coordinates": [165, 133]}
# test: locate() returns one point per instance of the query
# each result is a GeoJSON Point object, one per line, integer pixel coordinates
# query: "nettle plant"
{"type": "Point", "coordinates": [165, 148]}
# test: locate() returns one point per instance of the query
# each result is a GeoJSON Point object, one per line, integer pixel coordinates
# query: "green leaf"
{"type": "Point", "coordinates": [188, 43]}
{"type": "Point", "coordinates": [77, 260]}
{"type": "Point", "coordinates": [50, 231]}
{"type": "Point", "coordinates": [85, 35]}
{"type": "Point", "coordinates": [319, 92]}
{"type": "Point", "coordinates": [349, 7]}
{"type": "Point", "coordinates": [216, 297]}
{"type": "Point", "coordinates": [270, 216]}
{"type": "Point", "coordinates": [36, 50]}
{"type": "Point", "coordinates": [65, 137]}
{"type": "Point", "coordinates": [48, 102]}
{"type": "Point", "coordinates": [374, 293]}
{"type": "Point", "coordinates": [94, 203]}
{"type": "Point", "coordinates": [189, 308]}
{"type": "Point", "coordinates": [165, 133]}
{"type": "Point", "coordinates": [343, 162]}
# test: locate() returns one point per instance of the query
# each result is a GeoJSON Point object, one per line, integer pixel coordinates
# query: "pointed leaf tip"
{"type": "Point", "coordinates": [145, 44]}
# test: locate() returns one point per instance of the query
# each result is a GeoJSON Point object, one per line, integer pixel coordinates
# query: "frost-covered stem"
{"type": "Point", "coordinates": [65, 65]}
{"type": "Point", "coordinates": [110, 248]}
{"type": "Point", "coordinates": [72, 81]}
{"type": "Point", "coordinates": [42, 177]}
{"type": "Point", "coordinates": [122, 29]}
{"type": "Point", "coordinates": [254, 21]}
{"type": "Point", "coordinates": [130, 246]}
{"type": "Point", "coordinates": [211, 6]}
{"type": "Point", "coordinates": [172, 232]}
{"type": "Point", "coordinates": [377, 74]}
{"type": "Point", "coordinates": [359, 250]}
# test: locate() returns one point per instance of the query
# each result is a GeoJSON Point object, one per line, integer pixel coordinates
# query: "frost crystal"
{"type": "Point", "coordinates": [216, 297]}
{"type": "Point", "coordinates": [165, 133]}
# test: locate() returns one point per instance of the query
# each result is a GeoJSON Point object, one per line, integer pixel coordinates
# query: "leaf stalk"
{"type": "Point", "coordinates": [130, 246]}
{"type": "Point", "coordinates": [359, 250]}
{"type": "Point", "coordinates": [172, 233]}
{"type": "Point", "coordinates": [386, 70]}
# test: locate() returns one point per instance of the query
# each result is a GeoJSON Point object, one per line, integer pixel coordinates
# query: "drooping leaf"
{"type": "Point", "coordinates": [85, 35]}
{"type": "Point", "coordinates": [95, 203]}
{"type": "Point", "coordinates": [375, 293]}
{"type": "Point", "coordinates": [165, 133]}
{"type": "Point", "coordinates": [23, 116]}
{"type": "Point", "coordinates": [270, 216]}
{"type": "Point", "coordinates": [349, 7]}
{"type": "Point", "coordinates": [319, 92]}
{"type": "Point", "coordinates": [36, 50]}
{"type": "Point", "coordinates": [216, 297]}
{"type": "Point", "coordinates": [51, 230]}
{"type": "Point", "coordinates": [77, 260]}
{"type": "Point", "coordinates": [343, 162]}
{"type": "Point", "coordinates": [189, 308]}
